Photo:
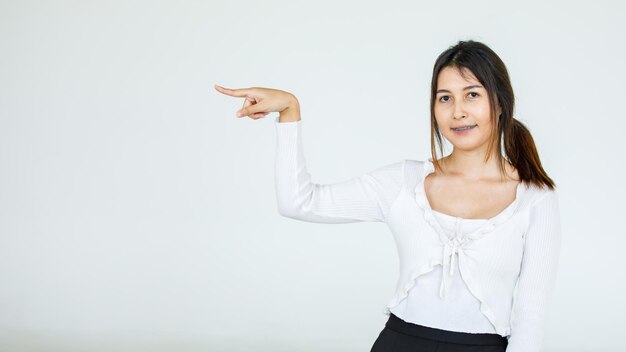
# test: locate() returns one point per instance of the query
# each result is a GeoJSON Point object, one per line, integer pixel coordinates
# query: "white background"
{"type": "Point", "coordinates": [138, 213]}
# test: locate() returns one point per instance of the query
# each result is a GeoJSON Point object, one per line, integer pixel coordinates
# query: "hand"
{"type": "Point", "coordinates": [261, 101]}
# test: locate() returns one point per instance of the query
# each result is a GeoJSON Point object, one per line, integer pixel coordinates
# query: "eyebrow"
{"type": "Point", "coordinates": [466, 88]}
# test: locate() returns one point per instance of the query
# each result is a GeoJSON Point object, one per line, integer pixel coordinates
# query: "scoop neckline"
{"type": "Point", "coordinates": [452, 217]}
{"type": "Point", "coordinates": [488, 225]}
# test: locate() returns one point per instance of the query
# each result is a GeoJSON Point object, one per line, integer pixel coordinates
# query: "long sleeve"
{"type": "Point", "coordinates": [364, 198]}
{"type": "Point", "coordinates": [537, 276]}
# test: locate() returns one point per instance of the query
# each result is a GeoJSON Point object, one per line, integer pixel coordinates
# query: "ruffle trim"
{"type": "Point", "coordinates": [487, 227]}
{"type": "Point", "coordinates": [404, 293]}
{"type": "Point", "coordinates": [484, 307]}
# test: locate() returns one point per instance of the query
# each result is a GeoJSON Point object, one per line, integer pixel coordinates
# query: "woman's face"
{"type": "Point", "coordinates": [460, 102]}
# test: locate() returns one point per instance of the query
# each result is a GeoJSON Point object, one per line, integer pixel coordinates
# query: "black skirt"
{"type": "Point", "coordinates": [401, 336]}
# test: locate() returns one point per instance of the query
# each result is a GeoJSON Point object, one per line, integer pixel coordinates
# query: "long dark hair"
{"type": "Point", "coordinates": [486, 65]}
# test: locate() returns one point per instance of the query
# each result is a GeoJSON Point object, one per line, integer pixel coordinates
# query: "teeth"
{"type": "Point", "coordinates": [464, 128]}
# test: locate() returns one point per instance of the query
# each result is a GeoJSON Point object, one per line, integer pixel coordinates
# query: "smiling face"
{"type": "Point", "coordinates": [463, 102]}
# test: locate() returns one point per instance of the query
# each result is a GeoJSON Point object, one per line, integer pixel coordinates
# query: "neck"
{"type": "Point", "coordinates": [471, 165]}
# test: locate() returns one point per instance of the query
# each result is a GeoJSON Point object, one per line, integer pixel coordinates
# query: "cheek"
{"type": "Point", "coordinates": [443, 123]}
{"type": "Point", "coordinates": [481, 115]}
{"type": "Point", "coordinates": [484, 122]}
{"type": "Point", "coordinates": [482, 112]}
{"type": "Point", "coordinates": [440, 116]}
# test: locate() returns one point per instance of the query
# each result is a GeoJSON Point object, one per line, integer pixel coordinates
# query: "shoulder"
{"type": "Point", "coordinates": [387, 179]}
{"type": "Point", "coordinates": [541, 199]}
{"type": "Point", "coordinates": [415, 166]}
{"type": "Point", "coordinates": [389, 175]}
{"type": "Point", "coordinates": [389, 169]}
{"type": "Point", "coordinates": [537, 194]}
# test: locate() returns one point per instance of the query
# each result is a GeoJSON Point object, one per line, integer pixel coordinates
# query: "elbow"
{"type": "Point", "coordinates": [288, 205]}
{"type": "Point", "coordinates": [286, 211]}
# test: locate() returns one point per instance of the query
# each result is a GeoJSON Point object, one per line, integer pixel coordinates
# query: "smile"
{"type": "Point", "coordinates": [464, 128]}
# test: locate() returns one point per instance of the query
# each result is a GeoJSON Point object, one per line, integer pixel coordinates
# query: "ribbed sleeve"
{"type": "Point", "coordinates": [537, 276]}
{"type": "Point", "coordinates": [364, 198]}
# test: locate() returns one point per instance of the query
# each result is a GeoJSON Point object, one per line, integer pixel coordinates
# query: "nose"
{"type": "Point", "coordinates": [459, 111]}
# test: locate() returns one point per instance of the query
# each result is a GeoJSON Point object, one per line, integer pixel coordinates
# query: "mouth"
{"type": "Point", "coordinates": [463, 128]}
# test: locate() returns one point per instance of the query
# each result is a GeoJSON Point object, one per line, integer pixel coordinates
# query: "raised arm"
{"type": "Point", "coordinates": [537, 277]}
{"type": "Point", "coordinates": [364, 198]}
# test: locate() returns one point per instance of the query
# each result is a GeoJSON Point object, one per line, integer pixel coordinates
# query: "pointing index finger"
{"type": "Point", "coordinates": [242, 92]}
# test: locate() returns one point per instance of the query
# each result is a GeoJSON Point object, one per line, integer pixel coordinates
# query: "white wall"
{"type": "Point", "coordinates": [138, 213]}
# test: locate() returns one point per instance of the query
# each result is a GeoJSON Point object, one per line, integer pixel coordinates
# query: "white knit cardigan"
{"type": "Point", "coordinates": [509, 263]}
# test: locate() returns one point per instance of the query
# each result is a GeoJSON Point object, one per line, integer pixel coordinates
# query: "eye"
{"type": "Point", "coordinates": [444, 96]}
{"type": "Point", "coordinates": [473, 93]}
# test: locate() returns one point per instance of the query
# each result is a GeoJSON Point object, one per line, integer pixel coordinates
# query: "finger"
{"type": "Point", "coordinates": [241, 92]}
{"type": "Point", "coordinates": [258, 115]}
{"type": "Point", "coordinates": [252, 109]}
{"type": "Point", "coordinates": [247, 102]}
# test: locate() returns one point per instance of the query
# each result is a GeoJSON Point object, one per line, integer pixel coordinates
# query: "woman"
{"type": "Point", "coordinates": [477, 231]}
